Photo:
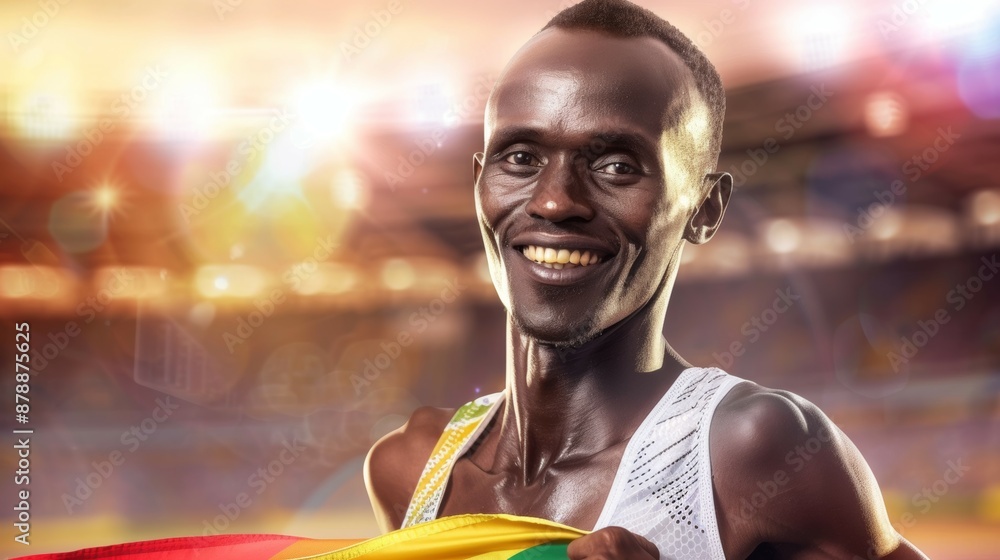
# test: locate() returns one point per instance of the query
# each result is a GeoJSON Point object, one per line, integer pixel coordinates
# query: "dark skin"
{"type": "Point", "coordinates": [599, 142]}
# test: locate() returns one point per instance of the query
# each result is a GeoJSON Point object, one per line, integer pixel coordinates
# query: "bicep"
{"type": "Point", "coordinates": [851, 516]}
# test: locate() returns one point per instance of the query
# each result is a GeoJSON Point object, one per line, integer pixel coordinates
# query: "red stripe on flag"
{"type": "Point", "coordinates": [217, 547]}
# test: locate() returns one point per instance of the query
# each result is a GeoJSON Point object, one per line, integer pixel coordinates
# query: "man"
{"type": "Point", "coordinates": [601, 140]}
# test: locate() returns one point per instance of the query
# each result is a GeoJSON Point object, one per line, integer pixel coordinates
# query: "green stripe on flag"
{"type": "Point", "coordinates": [547, 551]}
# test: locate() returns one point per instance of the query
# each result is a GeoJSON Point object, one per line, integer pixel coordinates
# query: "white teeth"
{"type": "Point", "coordinates": [558, 259]}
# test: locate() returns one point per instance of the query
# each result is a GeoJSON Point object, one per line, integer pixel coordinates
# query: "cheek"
{"type": "Point", "coordinates": [487, 216]}
{"type": "Point", "coordinates": [490, 212]}
{"type": "Point", "coordinates": [647, 219]}
{"type": "Point", "coordinates": [653, 227]}
{"type": "Point", "coordinates": [672, 213]}
{"type": "Point", "coordinates": [673, 219]}
{"type": "Point", "coordinates": [494, 201]}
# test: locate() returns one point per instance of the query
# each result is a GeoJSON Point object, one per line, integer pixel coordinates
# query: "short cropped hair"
{"type": "Point", "coordinates": [622, 18]}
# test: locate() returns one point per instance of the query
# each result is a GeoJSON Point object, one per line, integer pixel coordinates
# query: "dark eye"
{"type": "Point", "coordinates": [521, 158]}
{"type": "Point", "coordinates": [617, 168]}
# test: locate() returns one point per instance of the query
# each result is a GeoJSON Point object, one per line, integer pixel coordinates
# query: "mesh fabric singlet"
{"type": "Point", "coordinates": [663, 487]}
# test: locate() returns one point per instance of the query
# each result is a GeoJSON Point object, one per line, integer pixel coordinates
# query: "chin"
{"type": "Point", "coordinates": [558, 333]}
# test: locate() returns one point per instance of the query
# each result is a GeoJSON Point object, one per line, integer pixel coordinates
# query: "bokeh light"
{"type": "Point", "coordinates": [230, 281]}
{"type": "Point", "coordinates": [886, 114]}
{"type": "Point", "coordinates": [46, 116]}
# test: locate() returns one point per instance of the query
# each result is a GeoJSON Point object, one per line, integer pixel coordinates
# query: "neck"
{"type": "Point", "coordinates": [566, 404]}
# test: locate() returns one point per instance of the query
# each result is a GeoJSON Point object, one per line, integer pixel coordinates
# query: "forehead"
{"type": "Point", "coordinates": [566, 79]}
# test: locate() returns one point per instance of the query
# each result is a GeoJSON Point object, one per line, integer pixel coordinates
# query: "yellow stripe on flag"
{"type": "Point", "coordinates": [458, 537]}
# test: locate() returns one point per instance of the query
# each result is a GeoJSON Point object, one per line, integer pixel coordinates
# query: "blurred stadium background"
{"type": "Point", "coordinates": [243, 234]}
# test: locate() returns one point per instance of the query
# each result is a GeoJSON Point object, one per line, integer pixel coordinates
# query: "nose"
{"type": "Point", "coordinates": [560, 194]}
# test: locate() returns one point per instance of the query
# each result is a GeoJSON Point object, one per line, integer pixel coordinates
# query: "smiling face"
{"type": "Point", "coordinates": [593, 167]}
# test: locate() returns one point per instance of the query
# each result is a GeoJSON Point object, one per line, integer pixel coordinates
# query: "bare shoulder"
{"type": "Point", "coordinates": [759, 437]}
{"type": "Point", "coordinates": [395, 462]}
{"type": "Point", "coordinates": [785, 476]}
{"type": "Point", "coordinates": [760, 424]}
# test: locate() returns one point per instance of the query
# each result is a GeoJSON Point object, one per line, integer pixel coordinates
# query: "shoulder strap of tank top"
{"type": "Point", "coordinates": [462, 430]}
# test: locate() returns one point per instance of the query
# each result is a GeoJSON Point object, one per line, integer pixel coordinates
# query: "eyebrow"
{"type": "Point", "coordinates": [511, 135]}
{"type": "Point", "coordinates": [629, 141]}
{"type": "Point", "coordinates": [635, 143]}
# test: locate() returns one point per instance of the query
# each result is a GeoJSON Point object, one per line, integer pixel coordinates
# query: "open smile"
{"type": "Point", "coordinates": [552, 257]}
{"type": "Point", "coordinates": [560, 260]}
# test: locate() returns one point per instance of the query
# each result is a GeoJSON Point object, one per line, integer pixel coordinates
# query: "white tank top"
{"type": "Point", "coordinates": [663, 486]}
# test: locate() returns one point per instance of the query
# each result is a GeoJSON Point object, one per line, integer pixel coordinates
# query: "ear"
{"type": "Point", "coordinates": [477, 166]}
{"type": "Point", "coordinates": [707, 216]}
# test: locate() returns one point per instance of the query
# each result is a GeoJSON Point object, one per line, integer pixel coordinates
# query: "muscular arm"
{"type": "Point", "coordinates": [790, 484]}
{"type": "Point", "coordinates": [394, 464]}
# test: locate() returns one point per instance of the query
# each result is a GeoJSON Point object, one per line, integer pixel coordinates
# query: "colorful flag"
{"type": "Point", "coordinates": [473, 536]}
